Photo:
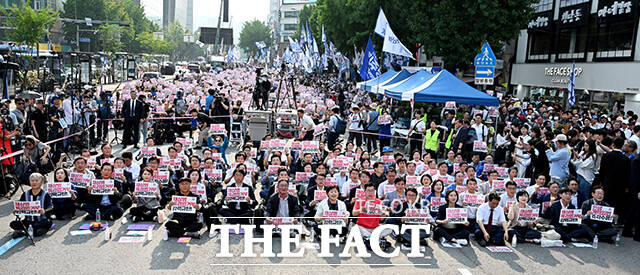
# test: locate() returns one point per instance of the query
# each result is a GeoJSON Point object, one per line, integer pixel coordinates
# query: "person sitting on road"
{"type": "Point", "coordinates": [568, 232]}
{"type": "Point", "coordinates": [369, 211]}
{"type": "Point", "coordinates": [282, 204]}
{"type": "Point", "coordinates": [184, 224]}
{"type": "Point", "coordinates": [42, 223]}
{"type": "Point", "coordinates": [331, 203]}
{"type": "Point", "coordinates": [146, 208]}
{"type": "Point", "coordinates": [604, 230]}
{"type": "Point", "coordinates": [64, 207]}
{"type": "Point", "coordinates": [233, 209]}
{"type": "Point", "coordinates": [492, 226]}
{"type": "Point", "coordinates": [396, 197]}
{"type": "Point", "coordinates": [522, 231]}
{"type": "Point", "coordinates": [446, 231]}
{"type": "Point", "coordinates": [108, 204]}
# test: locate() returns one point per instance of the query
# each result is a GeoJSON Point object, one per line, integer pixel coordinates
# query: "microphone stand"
{"type": "Point", "coordinates": [115, 131]}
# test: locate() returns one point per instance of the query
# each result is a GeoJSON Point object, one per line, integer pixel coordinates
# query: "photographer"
{"type": "Point", "coordinates": [87, 116]}
{"type": "Point", "coordinates": [103, 108]}
{"type": "Point", "coordinates": [18, 119]}
{"type": "Point", "coordinates": [219, 111]}
{"type": "Point", "coordinates": [203, 122]}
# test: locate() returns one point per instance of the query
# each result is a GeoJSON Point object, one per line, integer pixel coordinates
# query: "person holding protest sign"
{"type": "Point", "coordinates": [315, 195]}
{"type": "Point", "coordinates": [452, 227]}
{"type": "Point", "coordinates": [492, 226]}
{"type": "Point", "coordinates": [369, 211]}
{"type": "Point", "coordinates": [106, 199]}
{"type": "Point", "coordinates": [396, 197]}
{"type": "Point", "coordinates": [282, 204]}
{"type": "Point", "coordinates": [574, 231]}
{"type": "Point", "coordinates": [522, 221]}
{"type": "Point", "coordinates": [334, 206]}
{"type": "Point", "coordinates": [242, 203]}
{"type": "Point", "coordinates": [471, 200]}
{"type": "Point", "coordinates": [63, 200]}
{"type": "Point", "coordinates": [436, 198]}
{"type": "Point", "coordinates": [184, 220]}
{"type": "Point", "coordinates": [39, 221]}
{"type": "Point", "coordinates": [147, 198]}
{"type": "Point", "coordinates": [599, 222]}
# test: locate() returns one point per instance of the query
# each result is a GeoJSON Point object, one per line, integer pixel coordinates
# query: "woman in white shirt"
{"type": "Point", "coordinates": [331, 203]}
{"type": "Point", "coordinates": [416, 132]}
{"type": "Point", "coordinates": [502, 144]}
{"type": "Point", "coordinates": [355, 124]}
{"type": "Point", "coordinates": [585, 164]}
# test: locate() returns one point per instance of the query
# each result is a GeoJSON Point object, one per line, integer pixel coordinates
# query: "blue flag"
{"type": "Point", "coordinates": [261, 45]}
{"type": "Point", "coordinates": [572, 85]}
{"type": "Point", "coordinates": [370, 68]}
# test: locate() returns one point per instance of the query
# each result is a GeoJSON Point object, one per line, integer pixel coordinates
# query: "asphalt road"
{"type": "Point", "coordinates": [60, 252]}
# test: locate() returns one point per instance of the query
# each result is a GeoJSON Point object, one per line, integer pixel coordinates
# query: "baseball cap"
{"type": "Point", "coordinates": [386, 149]}
{"type": "Point", "coordinates": [561, 137]}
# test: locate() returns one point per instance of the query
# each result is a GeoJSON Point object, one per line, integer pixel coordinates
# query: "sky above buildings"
{"type": "Point", "coordinates": [206, 13]}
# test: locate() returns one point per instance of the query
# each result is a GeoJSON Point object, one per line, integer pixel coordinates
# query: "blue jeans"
{"type": "Point", "coordinates": [584, 187]}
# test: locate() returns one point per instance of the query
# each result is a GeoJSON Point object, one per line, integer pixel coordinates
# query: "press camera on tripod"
{"type": "Point", "coordinates": [261, 90]}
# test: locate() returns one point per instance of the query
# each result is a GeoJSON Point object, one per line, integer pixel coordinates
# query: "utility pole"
{"type": "Point", "coordinates": [219, 21]}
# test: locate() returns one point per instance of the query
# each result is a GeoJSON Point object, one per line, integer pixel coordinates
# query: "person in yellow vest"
{"type": "Point", "coordinates": [431, 139]}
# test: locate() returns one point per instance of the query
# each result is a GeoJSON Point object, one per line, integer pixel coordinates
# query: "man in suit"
{"type": "Point", "coordinates": [614, 171]}
{"type": "Point", "coordinates": [633, 217]}
{"type": "Point", "coordinates": [276, 207]}
{"type": "Point", "coordinates": [132, 112]}
{"type": "Point", "coordinates": [604, 230]}
{"type": "Point", "coordinates": [568, 232]}
{"type": "Point", "coordinates": [236, 209]}
{"type": "Point", "coordinates": [459, 136]}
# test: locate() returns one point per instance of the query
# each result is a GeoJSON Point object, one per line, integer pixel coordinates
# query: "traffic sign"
{"type": "Point", "coordinates": [485, 57]}
{"type": "Point", "coordinates": [485, 63]}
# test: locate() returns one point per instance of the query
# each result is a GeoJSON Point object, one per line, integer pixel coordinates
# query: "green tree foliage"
{"type": "Point", "coordinates": [28, 27]}
{"type": "Point", "coordinates": [150, 44]}
{"type": "Point", "coordinates": [111, 38]}
{"type": "Point", "coordinates": [255, 31]}
{"type": "Point", "coordinates": [180, 50]}
{"type": "Point", "coordinates": [453, 29]}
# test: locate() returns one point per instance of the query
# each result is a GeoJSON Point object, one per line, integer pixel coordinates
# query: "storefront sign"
{"type": "Point", "coordinates": [617, 8]}
{"type": "Point", "coordinates": [562, 71]}
{"type": "Point", "coordinates": [575, 15]}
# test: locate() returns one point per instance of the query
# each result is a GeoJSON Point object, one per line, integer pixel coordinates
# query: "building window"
{"type": "Point", "coordinates": [566, 3]}
{"type": "Point", "coordinates": [572, 43]}
{"type": "Point", "coordinates": [542, 5]}
{"type": "Point", "coordinates": [291, 14]}
{"type": "Point", "coordinates": [615, 39]}
{"type": "Point", "coordinates": [539, 46]}
{"type": "Point", "coordinates": [290, 27]}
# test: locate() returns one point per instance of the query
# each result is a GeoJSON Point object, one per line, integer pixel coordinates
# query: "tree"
{"type": "Point", "coordinates": [456, 29]}
{"type": "Point", "coordinates": [255, 31]}
{"type": "Point", "coordinates": [149, 44]}
{"type": "Point", "coordinates": [181, 50]}
{"type": "Point", "coordinates": [80, 9]}
{"type": "Point", "coordinates": [28, 27]}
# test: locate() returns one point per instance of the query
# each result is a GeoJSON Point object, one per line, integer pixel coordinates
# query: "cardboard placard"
{"type": "Point", "coordinates": [457, 215]}
{"type": "Point", "coordinates": [319, 195]}
{"type": "Point", "coordinates": [335, 217]}
{"type": "Point", "coordinates": [59, 190]}
{"type": "Point", "coordinates": [217, 129]}
{"type": "Point", "coordinates": [528, 214]}
{"type": "Point", "coordinates": [183, 204]}
{"type": "Point", "coordinates": [436, 202]}
{"type": "Point", "coordinates": [237, 194]}
{"type": "Point", "coordinates": [160, 177]}
{"type": "Point", "coordinates": [27, 208]}
{"type": "Point", "coordinates": [146, 189]}
{"type": "Point", "coordinates": [571, 216]}
{"type": "Point", "coordinates": [148, 152]}
{"type": "Point", "coordinates": [373, 208]}
{"type": "Point", "coordinates": [473, 200]}
{"type": "Point", "coordinates": [498, 186]}
{"type": "Point", "coordinates": [213, 174]}
{"type": "Point", "coordinates": [602, 213]}
{"type": "Point", "coordinates": [102, 187]}
{"type": "Point", "coordinates": [417, 216]}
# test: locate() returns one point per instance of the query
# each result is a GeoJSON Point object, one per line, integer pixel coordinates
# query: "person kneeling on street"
{"type": "Point", "coordinates": [184, 224]}
{"type": "Point", "coordinates": [492, 226]}
{"type": "Point", "coordinates": [42, 223]}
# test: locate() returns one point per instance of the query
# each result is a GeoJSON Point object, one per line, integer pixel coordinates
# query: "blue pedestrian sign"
{"type": "Point", "coordinates": [485, 63]}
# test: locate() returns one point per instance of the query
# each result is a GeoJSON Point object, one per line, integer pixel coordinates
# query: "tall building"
{"type": "Point", "coordinates": [178, 10]}
{"type": "Point", "coordinates": [600, 36]}
{"type": "Point", "coordinates": [289, 13]}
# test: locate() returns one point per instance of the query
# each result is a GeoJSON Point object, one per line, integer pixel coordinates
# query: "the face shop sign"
{"type": "Point", "coordinates": [560, 75]}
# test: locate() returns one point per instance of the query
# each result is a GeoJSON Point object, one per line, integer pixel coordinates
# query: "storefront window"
{"type": "Point", "coordinates": [543, 5]}
{"type": "Point", "coordinates": [572, 43]}
{"type": "Point", "coordinates": [566, 3]}
{"type": "Point", "coordinates": [539, 45]}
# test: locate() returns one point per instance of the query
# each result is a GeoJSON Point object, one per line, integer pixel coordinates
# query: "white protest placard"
{"type": "Point", "coordinates": [360, 194]}
{"type": "Point", "coordinates": [413, 181]}
{"type": "Point", "coordinates": [340, 164]}
{"type": "Point", "coordinates": [329, 181]}
{"type": "Point", "coordinates": [417, 216]}
{"type": "Point", "coordinates": [528, 214]}
{"type": "Point", "coordinates": [213, 174]}
{"type": "Point", "coordinates": [277, 221]}
{"type": "Point", "coordinates": [148, 152]}
{"type": "Point", "coordinates": [160, 177]}
{"type": "Point", "coordinates": [146, 189]}
{"type": "Point", "coordinates": [373, 208]}
{"type": "Point", "coordinates": [336, 217]}
{"type": "Point", "coordinates": [265, 145]}
{"type": "Point", "coordinates": [59, 190]}
{"type": "Point", "coordinates": [296, 146]}
{"type": "Point", "coordinates": [436, 202]}
{"type": "Point", "coordinates": [183, 204]}
{"type": "Point", "coordinates": [499, 249]}
{"type": "Point", "coordinates": [164, 164]}
{"type": "Point", "coordinates": [186, 142]}
{"type": "Point", "coordinates": [461, 189]}
{"type": "Point", "coordinates": [503, 172]}
{"type": "Point", "coordinates": [107, 160]}
{"type": "Point", "coordinates": [544, 190]}
{"type": "Point", "coordinates": [310, 146]}
{"type": "Point", "coordinates": [571, 216]}
{"type": "Point", "coordinates": [278, 144]}
{"type": "Point", "coordinates": [91, 162]}
{"type": "Point", "coordinates": [499, 186]}
{"type": "Point", "coordinates": [522, 183]}
{"type": "Point", "coordinates": [320, 129]}
{"type": "Point", "coordinates": [254, 152]}
{"type": "Point", "coordinates": [450, 105]}
{"type": "Point", "coordinates": [384, 119]}
{"type": "Point", "coordinates": [388, 188]}
{"type": "Point", "coordinates": [479, 146]}
{"type": "Point", "coordinates": [388, 159]}
{"type": "Point", "coordinates": [200, 190]}
{"type": "Point", "coordinates": [474, 200]}
{"type": "Point", "coordinates": [237, 194]}
{"type": "Point", "coordinates": [319, 195]}
{"type": "Point", "coordinates": [602, 213]}
{"type": "Point", "coordinates": [292, 189]}
{"type": "Point", "coordinates": [27, 208]}
{"type": "Point", "coordinates": [217, 129]}
{"type": "Point", "coordinates": [175, 164]}
{"type": "Point", "coordinates": [457, 215]}
{"type": "Point", "coordinates": [302, 177]}
{"type": "Point", "coordinates": [102, 187]}
{"type": "Point", "coordinates": [488, 167]}
{"type": "Point", "coordinates": [118, 172]}
{"type": "Point", "coordinates": [273, 169]}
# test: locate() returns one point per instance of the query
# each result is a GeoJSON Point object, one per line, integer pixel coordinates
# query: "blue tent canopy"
{"type": "Point", "coordinates": [366, 85]}
{"type": "Point", "coordinates": [396, 80]}
{"type": "Point", "coordinates": [443, 87]}
{"type": "Point", "coordinates": [377, 85]}
{"type": "Point", "coordinates": [415, 80]}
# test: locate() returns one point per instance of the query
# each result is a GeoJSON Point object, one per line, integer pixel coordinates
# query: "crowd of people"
{"type": "Point", "coordinates": [508, 173]}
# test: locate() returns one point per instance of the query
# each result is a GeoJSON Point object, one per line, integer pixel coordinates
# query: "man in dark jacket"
{"type": "Point", "coordinates": [184, 224]}
{"type": "Point", "coordinates": [604, 230]}
{"type": "Point", "coordinates": [242, 208]}
{"type": "Point", "coordinates": [633, 220]}
{"type": "Point", "coordinates": [282, 204]}
{"type": "Point", "coordinates": [108, 204]}
{"type": "Point", "coordinates": [133, 113]}
{"type": "Point", "coordinates": [568, 232]}
{"type": "Point", "coordinates": [614, 171]}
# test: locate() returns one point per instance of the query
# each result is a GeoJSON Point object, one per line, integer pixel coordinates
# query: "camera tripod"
{"type": "Point", "coordinates": [288, 88]}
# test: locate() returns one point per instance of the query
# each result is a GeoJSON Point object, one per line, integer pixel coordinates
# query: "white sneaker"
{"type": "Point", "coordinates": [213, 233]}
{"type": "Point", "coordinates": [463, 242]}
{"type": "Point", "coordinates": [124, 220]}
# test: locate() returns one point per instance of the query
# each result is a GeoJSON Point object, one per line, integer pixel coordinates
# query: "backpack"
{"type": "Point", "coordinates": [341, 126]}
